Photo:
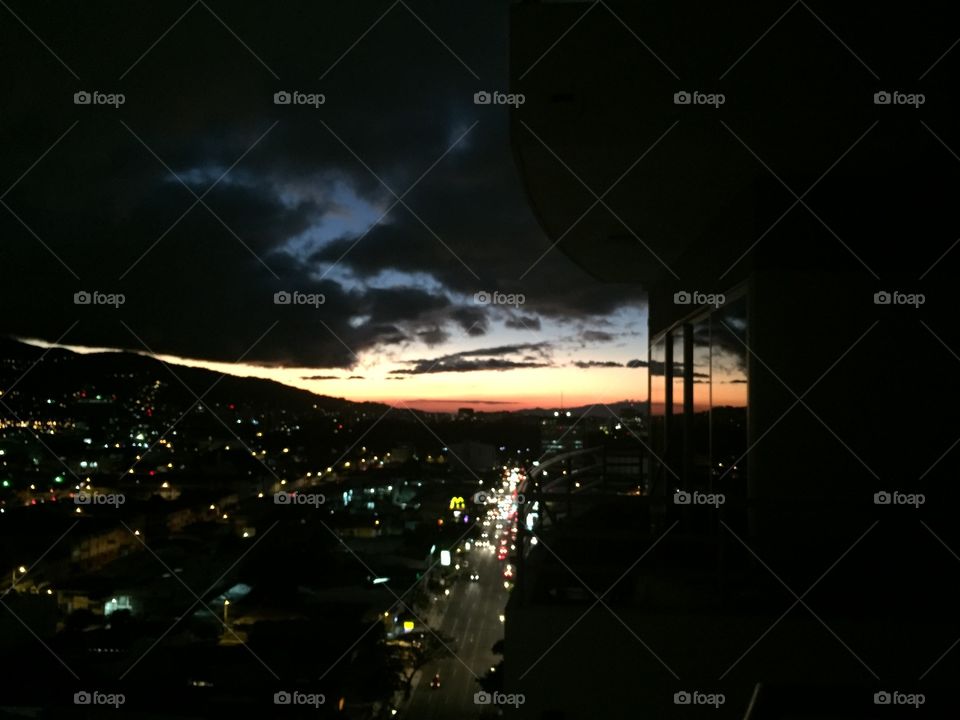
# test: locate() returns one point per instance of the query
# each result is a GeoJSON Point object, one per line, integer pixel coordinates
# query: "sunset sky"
{"type": "Point", "coordinates": [556, 362]}
{"type": "Point", "coordinates": [398, 200]}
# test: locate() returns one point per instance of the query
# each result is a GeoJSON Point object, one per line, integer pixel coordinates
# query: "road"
{"type": "Point", "coordinates": [472, 619]}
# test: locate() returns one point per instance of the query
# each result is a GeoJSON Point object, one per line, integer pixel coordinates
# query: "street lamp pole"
{"type": "Point", "coordinates": [13, 575]}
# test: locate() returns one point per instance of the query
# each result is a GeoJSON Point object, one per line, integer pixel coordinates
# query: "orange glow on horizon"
{"type": "Point", "coordinates": [482, 390]}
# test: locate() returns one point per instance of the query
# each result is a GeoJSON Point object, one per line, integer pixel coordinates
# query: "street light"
{"type": "Point", "coordinates": [13, 575]}
{"type": "Point", "coordinates": [226, 604]}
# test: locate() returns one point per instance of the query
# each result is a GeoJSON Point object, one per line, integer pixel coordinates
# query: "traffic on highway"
{"type": "Point", "coordinates": [471, 612]}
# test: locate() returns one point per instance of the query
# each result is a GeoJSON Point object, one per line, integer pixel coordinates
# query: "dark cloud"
{"type": "Point", "coordinates": [583, 364]}
{"type": "Point", "coordinates": [461, 402]}
{"type": "Point", "coordinates": [332, 377]}
{"type": "Point", "coordinates": [472, 320]}
{"type": "Point", "coordinates": [523, 322]}
{"type": "Point", "coordinates": [465, 365]}
{"type": "Point", "coordinates": [286, 205]}
{"type": "Point", "coordinates": [636, 363]}
{"type": "Point", "coordinates": [494, 358]}
{"type": "Point", "coordinates": [598, 336]}
{"type": "Point", "coordinates": [433, 336]}
{"type": "Point", "coordinates": [399, 304]}
{"type": "Point", "coordinates": [540, 348]}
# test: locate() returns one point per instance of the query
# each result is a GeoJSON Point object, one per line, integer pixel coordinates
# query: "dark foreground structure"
{"type": "Point", "coordinates": [782, 179]}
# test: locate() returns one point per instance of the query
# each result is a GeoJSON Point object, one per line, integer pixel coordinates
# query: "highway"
{"type": "Point", "coordinates": [472, 619]}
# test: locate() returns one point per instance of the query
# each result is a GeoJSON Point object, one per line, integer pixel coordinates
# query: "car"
{"type": "Point", "coordinates": [435, 683]}
{"type": "Point", "coordinates": [474, 576]}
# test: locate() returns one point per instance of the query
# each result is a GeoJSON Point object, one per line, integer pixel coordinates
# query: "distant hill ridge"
{"type": "Point", "coordinates": [63, 370]}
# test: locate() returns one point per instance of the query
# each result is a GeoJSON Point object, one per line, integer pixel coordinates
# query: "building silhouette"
{"type": "Point", "coordinates": [802, 360]}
